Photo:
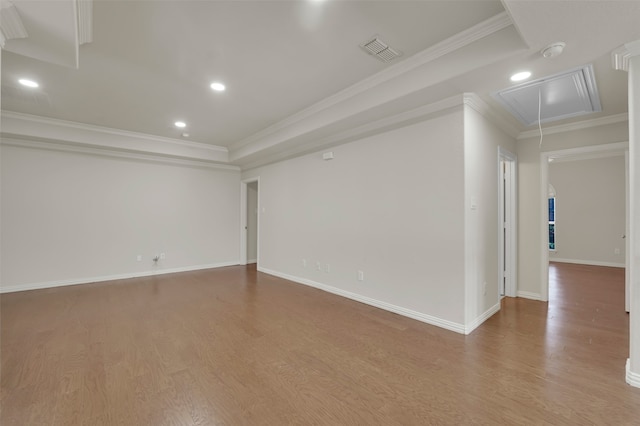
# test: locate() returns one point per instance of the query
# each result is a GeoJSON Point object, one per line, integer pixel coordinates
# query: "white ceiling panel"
{"type": "Point", "coordinates": [569, 94]}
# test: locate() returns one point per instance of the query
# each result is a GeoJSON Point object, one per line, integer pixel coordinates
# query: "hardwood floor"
{"type": "Point", "coordinates": [235, 347]}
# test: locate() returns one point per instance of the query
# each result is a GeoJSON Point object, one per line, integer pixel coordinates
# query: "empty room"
{"type": "Point", "coordinates": [319, 212]}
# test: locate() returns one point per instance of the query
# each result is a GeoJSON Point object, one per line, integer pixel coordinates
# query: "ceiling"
{"type": "Point", "coordinates": [296, 77]}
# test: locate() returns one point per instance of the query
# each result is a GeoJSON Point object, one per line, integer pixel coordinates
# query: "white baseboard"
{"type": "Point", "coordinates": [632, 378]}
{"type": "Point", "coordinates": [482, 318]}
{"type": "Point", "coordinates": [252, 261]}
{"type": "Point", "coordinates": [428, 319]}
{"type": "Point", "coordinates": [587, 262]}
{"type": "Point", "coordinates": [61, 283]}
{"type": "Point", "coordinates": [530, 295]}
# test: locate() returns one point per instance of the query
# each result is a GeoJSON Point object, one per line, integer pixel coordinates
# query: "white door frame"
{"type": "Point", "coordinates": [243, 220]}
{"type": "Point", "coordinates": [507, 222]}
{"type": "Point", "coordinates": [594, 151]}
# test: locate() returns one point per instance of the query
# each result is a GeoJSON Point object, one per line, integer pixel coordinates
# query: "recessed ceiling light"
{"type": "Point", "coordinates": [180, 124]}
{"type": "Point", "coordinates": [521, 76]}
{"type": "Point", "coordinates": [218, 87]}
{"type": "Point", "coordinates": [28, 83]}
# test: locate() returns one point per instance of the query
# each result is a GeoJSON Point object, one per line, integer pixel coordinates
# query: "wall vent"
{"type": "Point", "coordinates": [379, 49]}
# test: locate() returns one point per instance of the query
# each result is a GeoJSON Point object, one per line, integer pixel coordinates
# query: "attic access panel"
{"type": "Point", "coordinates": [565, 95]}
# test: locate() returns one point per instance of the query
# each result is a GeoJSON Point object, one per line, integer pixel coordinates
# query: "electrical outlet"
{"type": "Point", "coordinates": [328, 268]}
{"type": "Point", "coordinates": [162, 256]}
{"type": "Point", "coordinates": [304, 263]}
{"type": "Point", "coordinates": [360, 275]}
{"type": "Point", "coordinates": [318, 266]}
{"type": "Point", "coordinates": [616, 251]}
{"type": "Point", "coordinates": [139, 258]}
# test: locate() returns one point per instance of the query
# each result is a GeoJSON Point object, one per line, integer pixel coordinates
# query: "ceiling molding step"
{"type": "Point", "coordinates": [591, 156]}
{"type": "Point", "coordinates": [621, 56]}
{"type": "Point", "coordinates": [451, 44]}
{"type": "Point", "coordinates": [585, 151]}
{"type": "Point", "coordinates": [569, 127]}
{"type": "Point", "coordinates": [387, 98]}
{"type": "Point", "coordinates": [49, 129]}
{"type": "Point", "coordinates": [85, 21]}
{"type": "Point", "coordinates": [11, 26]}
{"type": "Point", "coordinates": [474, 101]}
{"type": "Point", "coordinates": [105, 152]}
{"type": "Point", "coordinates": [389, 123]}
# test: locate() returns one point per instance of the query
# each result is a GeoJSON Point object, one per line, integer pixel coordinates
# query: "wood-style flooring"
{"type": "Point", "coordinates": [235, 347]}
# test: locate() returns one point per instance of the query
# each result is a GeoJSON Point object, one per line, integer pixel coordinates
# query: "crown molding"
{"type": "Point", "coordinates": [619, 152]}
{"type": "Point", "coordinates": [621, 56]}
{"type": "Point", "coordinates": [26, 126]}
{"type": "Point", "coordinates": [451, 44]}
{"type": "Point", "coordinates": [106, 130]}
{"type": "Point", "coordinates": [580, 125]}
{"type": "Point", "coordinates": [106, 152]}
{"type": "Point", "coordinates": [389, 123]}
{"type": "Point", "coordinates": [479, 105]}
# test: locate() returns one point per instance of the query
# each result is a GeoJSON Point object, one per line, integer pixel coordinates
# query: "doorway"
{"type": "Point", "coordinates": [507, 192]}
{"type": "Point", "coordinates": [591, 152]}
{"type": "Point", "coordinates": [249, 221]}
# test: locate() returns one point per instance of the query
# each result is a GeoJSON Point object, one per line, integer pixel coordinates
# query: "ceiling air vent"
{"type": "Point", "coordinates": [565, 95]}
{"type": "Point", "coordinates": [380, 50]}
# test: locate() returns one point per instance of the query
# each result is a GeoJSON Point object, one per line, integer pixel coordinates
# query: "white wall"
{"type": "Point", "coordinates": [70, 217]}
{"type": "Point", "coordinates": [252, 222]}
{"type": "Point", "coordinates": [482, 140]}
{"type": "Point", "coordinates": [590, 210]}
{"type": "Point", "coordinates": [530, 280]}
{"type": "Point", "coordinates": [390, 205]}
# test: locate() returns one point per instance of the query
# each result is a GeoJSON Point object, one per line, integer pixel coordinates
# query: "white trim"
{"type": "Point", "coordinates": [590, 156]}
{"type": "Point", "coordinates": [530, 295]}
{"type": "Point", "coordinates": [479, 105]}
{"type": "Point", "coordinates": [378, 126]}
{"type": "Point", "coordinates": [632, 378]}
{"type": "Point", "coordinates": [586, 151]}
{"type": "Point", "coordinates": [512, 244]}
{"type": "Point", "coordinates": [250, 261]}
{"type": "Point", "coordinates": [584, 124]}
{"type": "Point", "coordinates": [89, 280]}
{"type": "Point", "coordinates": [36, 119]}
{"type": "Point", "coordinates": [587, 262]}
{"type": "Point", "coordinates": [428, 319]}
{"type": "Point", "coordinates": [544, 226]}
{"type": "Point", "coordinates": [244, 221]}
{"type": "Point", "coordinates": [627, 233]}
{"type": "Point", "coordinates": [88, 150]}
{"type": "Point", "coordinates": [451, 44]}
{"type": "Point", "coordinates": [621, 56]}
{"type": "Point", "coordinates": [48, 129]}
{"type": "Point", "coordinates": [481, 319]}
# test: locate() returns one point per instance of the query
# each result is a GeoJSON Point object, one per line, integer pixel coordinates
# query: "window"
{"type": "Point", "coordinates": [552, 223]}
